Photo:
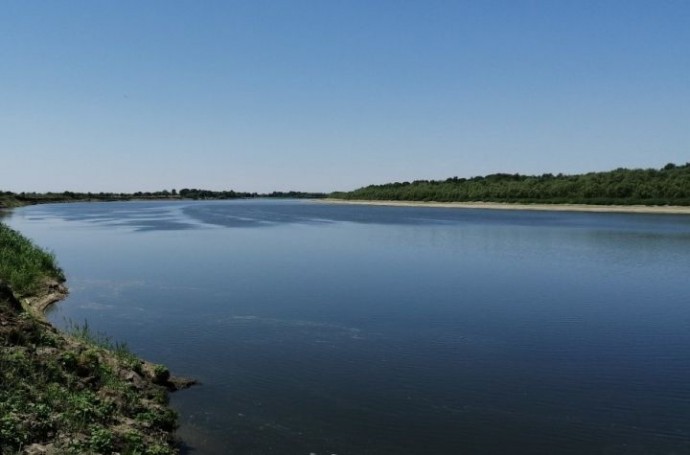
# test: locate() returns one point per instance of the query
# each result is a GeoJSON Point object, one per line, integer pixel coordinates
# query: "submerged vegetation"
{"type": "Point", "coordinates": [70, 393]}
{"type": "Point", "coordinates": [669, 185]}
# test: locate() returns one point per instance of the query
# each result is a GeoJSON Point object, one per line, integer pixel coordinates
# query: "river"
{"type": "Point", "coordinates": [336, 329]}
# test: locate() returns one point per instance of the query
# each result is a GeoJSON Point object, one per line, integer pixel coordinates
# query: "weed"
{"type": "Point", "coordinates": [160, 374]}
{"type": "Point", "coordinates": [163, 418]}
{"type": "Point", "coordinates": [101, 440]}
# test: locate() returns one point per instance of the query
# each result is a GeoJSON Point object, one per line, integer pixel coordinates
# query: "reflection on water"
{"type": "Point", "coordinates": [392, 330]}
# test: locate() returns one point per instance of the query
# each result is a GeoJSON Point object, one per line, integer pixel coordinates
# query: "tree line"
{"type": "Point", "coordinates": [669, 185]}
{"type": "Point", "coordinates": [10, 199]}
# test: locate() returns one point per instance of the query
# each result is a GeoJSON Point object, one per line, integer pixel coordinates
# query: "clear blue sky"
{"type": "Point", "coordinates": [331, 95]}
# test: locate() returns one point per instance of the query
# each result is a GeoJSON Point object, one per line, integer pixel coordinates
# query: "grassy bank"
{"type": "Point", "coordinates": [23, 266]}
{"type": "Point", "coordinates": [70, 393]}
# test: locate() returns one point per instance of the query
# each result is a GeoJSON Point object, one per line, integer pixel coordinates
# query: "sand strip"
{"type": "Point", "coordinates": [655, 209]}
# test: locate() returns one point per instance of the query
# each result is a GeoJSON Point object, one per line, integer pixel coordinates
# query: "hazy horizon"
{"type": "Point", "coordinates": [177, 188]}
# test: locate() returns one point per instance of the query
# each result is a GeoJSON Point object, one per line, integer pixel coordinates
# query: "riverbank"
{"type": "Point", "coordinates": [75, 392]}
{"type": "Point", "coordinates": [674, 210]}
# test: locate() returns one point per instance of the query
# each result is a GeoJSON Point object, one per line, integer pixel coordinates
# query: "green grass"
{"type": "Point", "coordinates": [23, 265]}
{"type": "Point", "coordinates": [71, 391]}
{"type": "Point", "coordinates": [84, 334]}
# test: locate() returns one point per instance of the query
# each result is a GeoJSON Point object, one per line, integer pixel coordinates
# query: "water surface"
{"type": "Point", "coordinates": [342, 329]}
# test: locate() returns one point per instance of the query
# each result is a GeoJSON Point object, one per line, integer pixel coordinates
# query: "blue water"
{"type": "Point", "coordinates": [333, 329]}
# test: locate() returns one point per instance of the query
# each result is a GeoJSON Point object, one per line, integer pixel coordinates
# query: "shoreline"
{"type": "Point", "coordinates": [645, 209]}
{"type": "Point", "coordinates": [54, 292]}
{"type": "Point", "coordinates": [38, 304]}
{"type": "Point", "coordinates": [91, 369]}
{"type": "Point", "coordinates": [73, 390]}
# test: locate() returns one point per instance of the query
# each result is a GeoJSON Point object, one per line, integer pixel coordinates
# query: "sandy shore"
{"type": "Point", "coordinates": [665, 209]}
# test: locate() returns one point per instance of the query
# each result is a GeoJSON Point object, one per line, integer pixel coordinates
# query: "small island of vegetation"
{"type": "Point", "coordinates": [669, 185]}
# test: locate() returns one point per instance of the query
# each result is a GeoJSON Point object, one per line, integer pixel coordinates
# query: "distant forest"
{"type": "Point", "coordinates": [10, 199]}
{"type": "Point", "coordinates": [669, 185]}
